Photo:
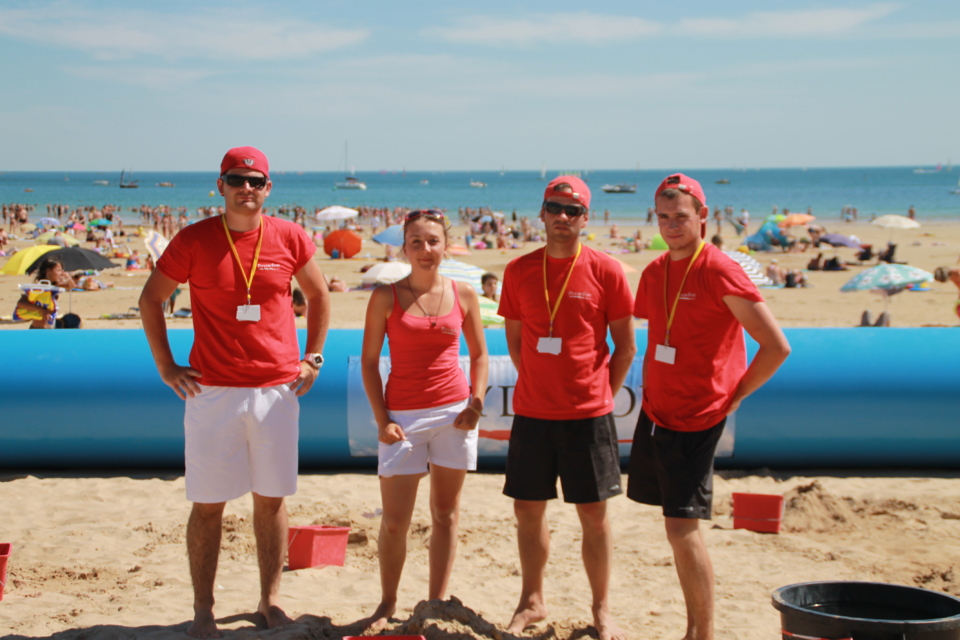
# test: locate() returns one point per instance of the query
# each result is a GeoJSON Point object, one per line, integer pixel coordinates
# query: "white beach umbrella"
{"type": "Point", "coordinates": [892, 221]}
{"type": "Point", "coordinates": [155, 244]}
{"type": "Point", "coordinates": [385, 273]}
{"type": "Point", "coordinates": [336, 212]}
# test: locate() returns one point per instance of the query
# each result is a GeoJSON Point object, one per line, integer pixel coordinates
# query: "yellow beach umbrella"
{"type": "Point", "coordinates": [44, 238]}
{"type": "Point", "coordinates": [21, 260]}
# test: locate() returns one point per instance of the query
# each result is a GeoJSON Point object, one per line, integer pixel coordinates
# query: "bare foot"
{"type": "Point", "coordinates": [204, 625]}
{"type": "Point", "coordinates": [527, 613]}
{"type": "Point", "coordinates": [275, 616]}
{"type": "Point", "coordinates": [380, 618]}
{"type": "Point", "coordinates": [607, 629]}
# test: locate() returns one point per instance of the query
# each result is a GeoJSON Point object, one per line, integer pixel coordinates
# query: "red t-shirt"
{"type": "Point", "coordinates": [693, 393]}
{"type": "Point", "coordinates": [228, 352]}
{"type": "Point", "coordinates": [425, 360]}
{"type": "Point", "coordinates": [576, 383]}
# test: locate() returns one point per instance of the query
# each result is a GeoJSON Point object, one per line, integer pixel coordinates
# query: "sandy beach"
{"type": "Point", "coordinates": [104, 557]}
{"type": "Point", "coordinates": [820, 305]}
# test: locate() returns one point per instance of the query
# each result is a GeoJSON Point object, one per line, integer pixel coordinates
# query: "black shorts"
{"type": "Point", "coordinates": [582, 453]}
{"type": "Point", "coordinates": [673, 469]}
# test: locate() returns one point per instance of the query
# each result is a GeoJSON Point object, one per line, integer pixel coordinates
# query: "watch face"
{"type": "Point", "coordinates": [317, 359]}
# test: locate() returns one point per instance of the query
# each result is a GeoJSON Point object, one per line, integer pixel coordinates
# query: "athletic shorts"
{"type": "Point", "coordinates": [241, 439]}
{"type": "Point", "coordinates": [582, 453]}
{"type": "Point", "coordinates": [431, 439]}
{"type": "Point", "coordinates": [673, 469]}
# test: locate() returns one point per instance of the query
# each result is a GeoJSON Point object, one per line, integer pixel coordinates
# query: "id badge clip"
{"type": "Point", "coordinates": [549, 345]}
{"type": "Point", "coordinates": [665, 354]}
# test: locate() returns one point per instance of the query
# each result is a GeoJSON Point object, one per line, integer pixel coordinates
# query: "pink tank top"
{"type": "Point", "coordinates": [425, 360]}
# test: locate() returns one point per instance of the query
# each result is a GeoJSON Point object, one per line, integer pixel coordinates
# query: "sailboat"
{"type": "Point", "coordinates": [128, 185]}
{"type": "Point", "coordinates": [957, 190]}
{"type": "Point", "coordinates": [350, 182]}
{"type": "Point", "coordinates": [543, 171]}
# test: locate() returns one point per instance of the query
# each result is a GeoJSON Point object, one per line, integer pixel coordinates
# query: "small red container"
{"type": "Point", "coordinates": [757, 512]}
{"type": "Point", "coordinates": [4, 556]}
{"type": "Point", "coordinates": [316, 545]}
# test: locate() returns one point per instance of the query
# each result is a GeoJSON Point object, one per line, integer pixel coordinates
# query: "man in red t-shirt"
{"type": "Point", "coordinates": [245, 376]}
{"type": "Point", "coordinates": [559, 302]}
{"type": "Point", "coordinates": [698, 301]}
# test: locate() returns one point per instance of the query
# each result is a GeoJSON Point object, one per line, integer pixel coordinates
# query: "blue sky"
{"type": "Point", "coordinates": [459, 86]}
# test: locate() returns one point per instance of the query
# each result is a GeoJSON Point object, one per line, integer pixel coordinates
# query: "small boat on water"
{"type": "Point", "coordinates": [477, 184]}
{"type": "Point", "coordinates": [132, 184]}
{"type": "Point", "coordinates": [619, 188]}
{"type": "Point", "coordinates": [102, 183]}
{"type": "Point", "coordinates": [165, 184]}
{"type": "Point", "coordinates": [723, 181]}
{"type": "Point", "coordinates": [350, 183]}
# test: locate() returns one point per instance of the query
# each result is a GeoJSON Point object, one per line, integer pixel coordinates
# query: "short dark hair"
{"type": "Point", "coordinates": [673, 194]}
{"type": "Point", "coordinates": [488, 276]}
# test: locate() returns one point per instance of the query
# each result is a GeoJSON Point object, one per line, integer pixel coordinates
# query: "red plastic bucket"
{"type": "Point", "coordinates": [4, 556]}
{"type": "Point", "coordinates": [757, 512]}
{"type": "Point", "coordinates": [316, 545]}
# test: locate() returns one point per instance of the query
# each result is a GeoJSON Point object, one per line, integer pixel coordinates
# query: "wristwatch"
{"type": "Point", "coordinates": [313, 359]}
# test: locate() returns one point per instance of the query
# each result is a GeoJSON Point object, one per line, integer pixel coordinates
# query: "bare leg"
{"type": "Point", "coordinates": [270, 530]}
{"type": "Point", "coordinates": [399, 495]}
{"type": "Point", "coordinates": [203, 548]}
{"type": "Point", "coordinates": [597, 550]}
{"type": "Point", "coordinates": [696, 575]}
{"type": "Point", "coordinates": [445, 487]}
{"type": "Point", "coordinates": [533, 541]}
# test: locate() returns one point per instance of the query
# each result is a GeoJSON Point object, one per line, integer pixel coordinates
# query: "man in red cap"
{"type": "Point", "coordinates": [246, 372]}
{"type": "Point", "coordinates": [697, 301]}
{"type": "Point", "coordinates": [559, 302]}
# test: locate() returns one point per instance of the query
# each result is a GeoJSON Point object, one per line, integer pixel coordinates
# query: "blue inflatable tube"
{"type": "Point", "coordinates": [845, 398]}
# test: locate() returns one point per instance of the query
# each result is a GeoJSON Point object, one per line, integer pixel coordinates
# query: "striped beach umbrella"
{"type": "Point", "coordinates": [456, 270]}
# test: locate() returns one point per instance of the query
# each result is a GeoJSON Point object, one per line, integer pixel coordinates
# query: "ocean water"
{"type": "Point", "coordinates": [873, 190]}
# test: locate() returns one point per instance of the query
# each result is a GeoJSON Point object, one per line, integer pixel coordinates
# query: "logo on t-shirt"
{"type": "Point", "coordinates": [582, 295]}
{"type": "Point", "coordinates": [688, 296]}
{"type": "Point", "coordinates": [269, 267]}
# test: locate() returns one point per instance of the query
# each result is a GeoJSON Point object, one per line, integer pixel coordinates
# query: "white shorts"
{"type": "Point", "coordinates": [241, 439]}
{"type": "Point", "coordinates": [431, 438]}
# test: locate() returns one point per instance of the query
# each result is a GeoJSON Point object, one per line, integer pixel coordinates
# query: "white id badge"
{"type": "Point", "coordinates": [665, 354]}
{"type": "Point", "coordinates": [549, 345]}
{"type": "Point", "coordinates": [248, 313]}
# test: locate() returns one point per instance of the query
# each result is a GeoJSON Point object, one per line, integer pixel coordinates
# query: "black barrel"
{"type": "Point", "coordinates": [866, 611]}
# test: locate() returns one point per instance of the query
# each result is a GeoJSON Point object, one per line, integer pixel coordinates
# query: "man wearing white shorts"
{"type": "Point", "coordinates": [241, 389]}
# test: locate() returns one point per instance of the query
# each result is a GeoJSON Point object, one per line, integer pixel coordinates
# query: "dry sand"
{"type": "Point", "coordinates": [821, 305]}
{"type": "Point", "coordinates": [104, 558]}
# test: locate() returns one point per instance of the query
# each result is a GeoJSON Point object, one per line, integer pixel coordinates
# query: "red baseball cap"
{"type": "Point", "coordinates": [682, 183]}
{"type": "Point", "coordinates": [580, 194]}
{"type": "Point", "coordinates": [245, 158]}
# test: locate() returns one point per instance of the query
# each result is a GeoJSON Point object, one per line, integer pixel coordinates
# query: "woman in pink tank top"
{"type": "Point", "coordinates": [427, 416]}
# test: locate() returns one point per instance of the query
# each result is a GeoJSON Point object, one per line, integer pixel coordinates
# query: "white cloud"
{"type": "Point", "coordinates": [150, 77]}
{"type": "Point", "coordinates": [556, 29]}
{"type": "Point", "coordinates": [787, 24]}
{"type": "Point", "coordinates": [211, 35]}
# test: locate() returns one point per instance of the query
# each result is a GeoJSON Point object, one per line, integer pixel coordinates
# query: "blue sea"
{"type": "Point", "coordinates": [873, 190]}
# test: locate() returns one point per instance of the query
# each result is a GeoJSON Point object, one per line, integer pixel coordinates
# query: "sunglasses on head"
{"type": "Point", "coordinates": [430, 214]}
{"type": "Point", "coordinates": [555, 208]}
{"type": "Point", "coordinates": [235, 180]}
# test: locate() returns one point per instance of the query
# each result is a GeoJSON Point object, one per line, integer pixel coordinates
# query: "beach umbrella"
{"type": "Point", "coordinates": [839, 240]}
{"type": "Point", "coordinates": [17, 265]}
{"type": "Point", "coordinates": [775, 217]}
{"type": "Point", "coordinates": [385, 273]}
{"type": "Point", "coordinates": [44, 238]}
{"type": "Point", "coordinates": [795, 220]}
{"type": "Point", "coordinates": [347, 243]}
{"type": "Point", "coordinates": [488, 312]}
{"type": "Point", "coordinates": [336, 212]}
{"type": "Point", "coordinates": [751, 266]}
{"type": "Point", "coordinates": [892, 221]}
{"type": "Point", "coordinates": [49, 223]}
{"type": "Point", "coordinates": [887, 278]}
{"type": "Point", "coordinates": [456, 270]}
{"type": "Point", "coordinates": [155, 244]}
{"type": "Point", "coordinates": [392, 235]}
{"type": "Point", "coordinates": [79, 227]}
{"type": "Point", "coordinates": [100, 222]}
{"type": "Point", "coordinates": [75, 258]}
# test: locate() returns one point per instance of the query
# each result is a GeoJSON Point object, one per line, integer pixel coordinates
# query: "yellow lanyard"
{"type": "Point", "coordinates": [256, 255]}
{"type": "Point", "coordinates": [546, 289]}
{"type": "Point", "coordinates": [666, 277]}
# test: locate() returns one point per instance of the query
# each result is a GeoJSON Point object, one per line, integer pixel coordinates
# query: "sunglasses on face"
{"type": "Point", "coordinates": [555, 208]}
{"type": "Point", "coordinates": [430, 214]}
{"type": "Point", "coordinates": [234, 180]}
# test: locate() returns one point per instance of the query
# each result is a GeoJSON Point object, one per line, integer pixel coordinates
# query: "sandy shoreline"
{"type": "Point", "coordinates": [821, 305]}
{"type": "Point", "coordinates": [104, 557]}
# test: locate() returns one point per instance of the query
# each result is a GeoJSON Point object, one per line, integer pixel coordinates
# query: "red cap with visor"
{"type": "Point", "coordinates": [580, 194]}
{"type": "Point", "coordinates": [685, 184]}
{"type": "Point", "coordinates": [245, 158]}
